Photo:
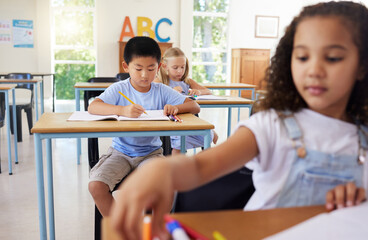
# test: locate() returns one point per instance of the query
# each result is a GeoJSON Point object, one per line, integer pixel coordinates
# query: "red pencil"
{"type": "Point", "coordinates": [191, 232]}
{"type": "Point", "coordinates": [178, 118]}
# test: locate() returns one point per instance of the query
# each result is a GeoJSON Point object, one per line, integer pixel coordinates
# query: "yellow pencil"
{"type": "Point", "coordinates": [129, 100]}
{"type": "Point", "coordinates": [218, 236]}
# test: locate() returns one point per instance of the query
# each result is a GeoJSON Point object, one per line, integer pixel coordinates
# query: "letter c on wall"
{"type": "Point", "coordinates": [156, 29]}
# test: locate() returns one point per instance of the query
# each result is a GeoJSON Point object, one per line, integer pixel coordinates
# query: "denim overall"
{"type": "Point", "coordinates": [314, 173]}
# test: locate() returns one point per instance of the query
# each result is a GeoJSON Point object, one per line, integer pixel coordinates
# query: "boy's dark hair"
{"type": "Point", "coordinates": [281, 91]}
{"type": "Point", "coordinates": [141, 47]}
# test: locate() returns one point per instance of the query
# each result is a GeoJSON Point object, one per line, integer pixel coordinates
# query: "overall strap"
{"type": "Point", "coordinates": [294, 132]}
{"type": "Point", "coordinates": [292, 127]}
{"type": "Point", "coordinates": [363, 136]}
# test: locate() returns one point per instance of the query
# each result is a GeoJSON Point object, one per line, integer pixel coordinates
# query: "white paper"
{"type": "Point", "coordinates": [153, 115]}
{"type": "Point", "coordinates": [347, 223]}
{"type": "Point", "coordinates": [210, 97]}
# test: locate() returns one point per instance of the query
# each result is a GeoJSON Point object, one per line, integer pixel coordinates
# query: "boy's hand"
{"type": "Point", "coordinates": [178, 88]}
{"type": "Point", "coordinates": [344, 196]}
{"type": "Point", "coordinates": [133, 111]}
{"type": "Point", "coordinates": [170, 110]}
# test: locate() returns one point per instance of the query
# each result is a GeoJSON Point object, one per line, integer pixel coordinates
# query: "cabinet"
{"type": "Point", "coordinates": [249, 66]}
{"type": "Point", "coordinates": [163, 46]}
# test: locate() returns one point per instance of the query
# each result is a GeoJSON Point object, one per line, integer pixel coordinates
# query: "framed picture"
{"type": "Point", "coordinates": [267, 27]}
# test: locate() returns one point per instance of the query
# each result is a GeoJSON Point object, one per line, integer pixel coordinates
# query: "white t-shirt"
{"type": "Point", "coordinates": [276, 153]}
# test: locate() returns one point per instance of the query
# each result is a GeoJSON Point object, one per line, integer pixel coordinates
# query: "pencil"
{"type": "Point", "coordinates": [147, 235]}
{"type": "Point", "coordinates": [129, 100]}
{"type": "Point", "coordinates": [188, 230]}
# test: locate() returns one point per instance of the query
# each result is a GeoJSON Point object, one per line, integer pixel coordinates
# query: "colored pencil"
{"type": "Point", "coordinates": [192, 233]}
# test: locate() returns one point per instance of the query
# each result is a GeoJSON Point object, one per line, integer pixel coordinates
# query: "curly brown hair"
{"type": "Point", "coordinates": [281, 91]}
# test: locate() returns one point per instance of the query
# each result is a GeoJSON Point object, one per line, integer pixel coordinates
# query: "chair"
{"type": "Point", "coordinates": [93, 153]}
{"type": "Point", "coordinates": [2, 118]}
{"type": "Point", "coordinates": [24, 101]}
{"type": "Point", "coordinates": [229, 192]}
{"type": "Point", "coordinates": [122, 76]}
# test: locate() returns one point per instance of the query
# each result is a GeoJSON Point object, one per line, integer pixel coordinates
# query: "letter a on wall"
{"type": "Point", "coordinates": [125, 33]}
{"type": "Point", "coordinates": [147, 28]}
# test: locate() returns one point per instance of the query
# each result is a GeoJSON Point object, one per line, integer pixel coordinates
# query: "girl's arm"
{"type": "Point", "coordinates": [99, 107]}
{"type": "Point", "coordinates": [152, 186]}
{"type": "Point", "coordinates": [198, 89]}
{"type": "Point", "coordinates": [189, 106]}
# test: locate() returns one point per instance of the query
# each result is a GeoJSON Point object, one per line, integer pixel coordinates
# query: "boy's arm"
{"type": "Point", "coordinates": [99, 107]}
{"type": "Point", "coordinates": [153, 185]}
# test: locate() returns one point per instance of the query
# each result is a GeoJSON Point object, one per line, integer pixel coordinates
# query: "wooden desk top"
{"type": "Point", "coordinates": [7, 86]}
{"type": "Point", "coordinates": [237, 224]}
{"type": "Point", "coordinates": [57, 123]}
{"type": "Point", "coordinates": [92, 85]}
{"type": "Point", "coordinates": [20, 80]}
{"type": "Point", "coordinates": [38, 74]}
{"type": "Point", "coordinates": [209, 85]}
{"type": "Point", "coordinates": [228, 101]}
{"type": "Point", "coordinates": [228, 85]}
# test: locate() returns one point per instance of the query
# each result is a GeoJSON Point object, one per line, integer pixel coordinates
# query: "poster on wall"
{"type": "Point", "coordinates": [5, 33]}
{"type": "Point", "coordinates": [23, 33]}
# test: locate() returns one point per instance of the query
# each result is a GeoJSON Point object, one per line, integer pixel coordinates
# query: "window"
{"type": "Point", "coordinates": [73, 44]}
{"type": "Point", "coordinates": [209, 59]}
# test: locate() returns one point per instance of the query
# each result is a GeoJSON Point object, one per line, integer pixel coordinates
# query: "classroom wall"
{"type": "Point", "coordinates": [242, 21]}
{"type": "Point", "coordinates": [18, 59]}
{"type": "Point", "coordinates": [110, 19]}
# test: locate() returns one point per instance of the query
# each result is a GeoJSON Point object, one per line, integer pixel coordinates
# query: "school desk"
{"type": "Point", "coordinates": [35, 83]}
{"type": "Point", "coordinates": [229, 103]}
{"type": "Point", "coordinates": [231, 86]}
{"type": "Point", "coordinates": [55, 125]}
{"type": "Point", "coordinates": [42, 75]}
{"type": "Point", "coordinates": [236, 224]}
{"type": "Point", "coordinates": [5, 88]}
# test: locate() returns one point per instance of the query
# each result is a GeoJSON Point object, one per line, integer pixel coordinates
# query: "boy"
{"type": "Point", "coordinates": [142, 60]}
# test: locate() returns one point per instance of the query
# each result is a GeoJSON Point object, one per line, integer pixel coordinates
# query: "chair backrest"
{"type": "Point", "coordinates": [229, 192]}
{"type": "Point", "coordinates": [122, 76]}
{"type": "Point", "coordinates": [2, 109]}
{"type": "Point", "coordinates": [91, 94]}
{"type": "Point", "coordinates": [21, 76]}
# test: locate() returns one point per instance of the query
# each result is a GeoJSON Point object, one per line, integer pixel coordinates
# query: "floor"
{"type": "Point", "coordinates": [74, 207]}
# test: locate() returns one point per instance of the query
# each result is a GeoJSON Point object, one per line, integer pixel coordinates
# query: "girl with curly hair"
{"type": "Point", "coordinates": [307, 145]}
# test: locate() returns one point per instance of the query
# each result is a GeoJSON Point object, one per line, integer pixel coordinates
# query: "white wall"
{"type": "Point", "coordinates": [242, 21]}
{"type": "Point", "coordinates": [18, 59]}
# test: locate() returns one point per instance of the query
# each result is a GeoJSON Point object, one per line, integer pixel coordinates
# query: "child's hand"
{"type": "Point", "coordinates": [133, 111]}
{"type": "Point", "coordinates": [148, 187]}
{"type": "Point", "coordinates": [170, 110]}
{"type": "Point", "coordinates": [195, 92]}
{"type": "Point", "coordinates": [344, 196]}
{"type": "Point", "coordinates": [178, 88]}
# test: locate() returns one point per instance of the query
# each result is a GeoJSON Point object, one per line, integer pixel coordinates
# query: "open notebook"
{"type": "Point", "coordinates": [157, 115]}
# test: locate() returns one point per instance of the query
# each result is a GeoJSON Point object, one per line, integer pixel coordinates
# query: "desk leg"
{"type": "Point", "coordinates": [228, 121]}
{"type": "Point", "coordinates": [40, 187]}
{"type": "Point", "coordinates": [42, 97]}
{"type": "Point", "coordinates": [53, 93]}
{"type": "Point", "coordinates": [77, 108]}
{"type": "Point", "coordinates": [50, 188]}
{"type": "Point", "coordinates": [7, 114]}
{"type": "Point", "coordinates": [239, 107]}
{"type": "Point", "coordinates": [207, 139]}
{"type": "Point", "coordinates": [15, 128]}
{"type": "Point", "coordinates": [36, 97]}
{"type": "Point", "coordinates": [182, 145]}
